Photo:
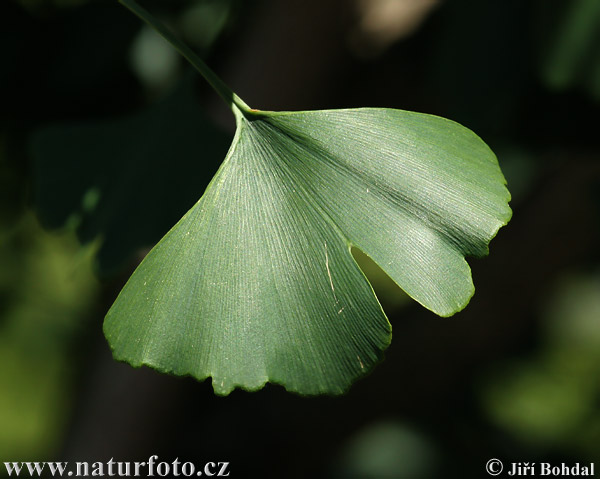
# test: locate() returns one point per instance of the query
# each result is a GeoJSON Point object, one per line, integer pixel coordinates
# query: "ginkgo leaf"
{"type": "Point", "coordinates": [256, 282]}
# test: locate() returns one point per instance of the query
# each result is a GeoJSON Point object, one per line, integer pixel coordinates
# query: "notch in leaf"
{"type": "Point", "coordinates": [256, 282]}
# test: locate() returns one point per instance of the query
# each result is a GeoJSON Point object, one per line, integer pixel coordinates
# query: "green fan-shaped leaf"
{"type": "Point", "coordinates": [256, 283]}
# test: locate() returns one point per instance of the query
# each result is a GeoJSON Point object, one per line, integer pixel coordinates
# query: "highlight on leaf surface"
{"type": "Point", "coordinates": [256, 282]}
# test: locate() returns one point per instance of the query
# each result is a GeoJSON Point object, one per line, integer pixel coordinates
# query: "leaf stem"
{"type": "Point", "coordinates": [226, 93]}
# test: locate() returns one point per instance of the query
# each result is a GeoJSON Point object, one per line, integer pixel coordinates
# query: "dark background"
{"type": "Point", "coordinates": [95, 165]}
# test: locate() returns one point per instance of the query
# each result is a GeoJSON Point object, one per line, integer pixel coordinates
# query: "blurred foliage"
{"type": "Point", "coordinates": [550, 400]}
{"type": "Point", "coordinates": [46, 291]}
{"type": "Point", "coordinates": [388, 450]}
{"type": "Point", "coordinates": [126, 180]}
{"type": "Point", "coordinates": [201, 23]}
{"type": "Point", "coordinates": [570, 46]}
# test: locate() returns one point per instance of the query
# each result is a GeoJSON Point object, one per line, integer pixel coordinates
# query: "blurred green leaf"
{"type": "Point", "coordinates": [46, 291]}
{"type": "Point", "coordinates": [552, 398]}
{"type": "Point", "coordinates": [126, 180]}
{"type": "Point", "coordinates": [202, 22]}
{"type": "Point", "coordinates": [571, 55]}
{"type": "Point", "coordinates": [573, 315]}
{"type": "Point", "coordinates": [388, 450]}
{"type": "Point", "coordinates": [256, 282]}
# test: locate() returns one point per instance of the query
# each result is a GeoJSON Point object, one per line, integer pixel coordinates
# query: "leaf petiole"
{"type": "Point", "coordinates": [226, 93]}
